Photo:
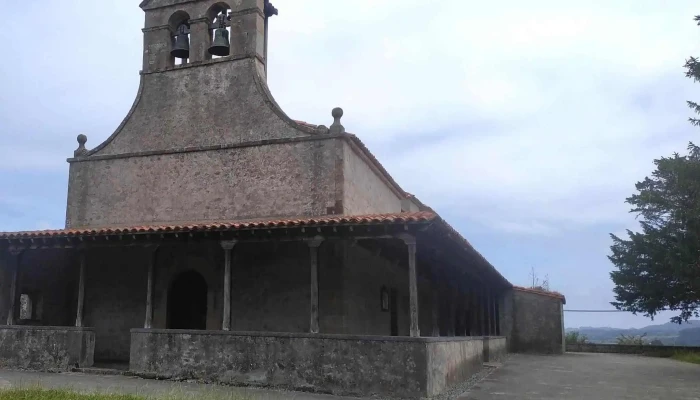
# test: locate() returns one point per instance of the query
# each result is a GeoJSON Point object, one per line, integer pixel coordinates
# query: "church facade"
{"type": "Point", "coordinates": [213, 237]}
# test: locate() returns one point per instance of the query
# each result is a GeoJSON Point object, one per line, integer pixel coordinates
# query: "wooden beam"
{"type": "Point", "coordinates": [81, 290]}
{"type": "Point", "coordinates": [15, 253]}
{"type": "Point", "coordinates": [148, 323]}
{"type": "Point", "coordinates": [412, 283]}
{"type": "Point", "coordinates": [228, 247]}
{"type": "Point", "coordinates": [314, 245]}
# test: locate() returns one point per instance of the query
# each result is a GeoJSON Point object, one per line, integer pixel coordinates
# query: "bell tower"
{"type": "Point", "coordinates": [182, 32]}
{"type": "Point", "coordinates": [205, 140]}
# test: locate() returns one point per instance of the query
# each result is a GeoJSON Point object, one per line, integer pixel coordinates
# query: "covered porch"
{"type": "Point", "coordinates": [360, 304]}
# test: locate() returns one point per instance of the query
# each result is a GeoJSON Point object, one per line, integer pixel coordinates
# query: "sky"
{"type": "Point", "coordinates": [524, 124]}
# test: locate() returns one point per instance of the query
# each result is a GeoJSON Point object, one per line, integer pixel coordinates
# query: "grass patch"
{"type": "Point", "coordinates": [54, 394]}
{"type": "Point", "coordinates": [687, 356]}
{"type": "Point", "coordinates": [38, 393]}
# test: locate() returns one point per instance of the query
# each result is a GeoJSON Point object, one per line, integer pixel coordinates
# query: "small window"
{"type": "Point", "coordinates": [384, 296]}
{"type": "Point", "coordinates": [25, 307]}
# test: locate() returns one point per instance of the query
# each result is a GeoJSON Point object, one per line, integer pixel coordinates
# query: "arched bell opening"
{"type": "Point", "coordinates": [220, 30]}
{"type": "Point", "coordinates": [187, 302]}
{"type": "Point", "coordinates": [179, 24]}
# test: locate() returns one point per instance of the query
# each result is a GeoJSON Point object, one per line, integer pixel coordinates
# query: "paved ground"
{"type": "Point", "coordinates": [575, 376]}
{"type": "Point", "coordinates": [579, 376]}
{"type": "Point", "coordinates": [126, 384]}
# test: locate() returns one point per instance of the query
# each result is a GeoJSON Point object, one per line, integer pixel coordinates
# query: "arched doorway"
{"type": "Point", "coordinates": [187, 302]}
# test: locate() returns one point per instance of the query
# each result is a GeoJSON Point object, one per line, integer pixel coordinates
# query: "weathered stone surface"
{"type": "Point", "coordinates": [46, 348]}
{"type": "Point", "coordinates": [324, 363]}
{"type": "Point", "coordinates": [338, 364]}
{"type": "Point", "coordinates": [537, 323]}
{"type": "Point", "coordinates": [495, 348]}
{"type": "Point", "coordinates": [290, 179]}
{"type": "Point", "coordinates": [451, 361]}
{"type": "Point", "coordinates": [363, 188]}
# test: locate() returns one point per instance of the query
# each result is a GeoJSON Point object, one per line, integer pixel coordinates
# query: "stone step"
{"type": "Point", "coordinates": [101, 371]}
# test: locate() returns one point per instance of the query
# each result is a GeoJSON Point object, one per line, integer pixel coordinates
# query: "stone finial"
{"type": "Point", "coordinates": [82, 139]}
{"type": "Point", "coordinates": [337, 127]}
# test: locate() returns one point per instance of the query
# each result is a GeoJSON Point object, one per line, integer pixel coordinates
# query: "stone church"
{"type": "Point", "coordinates": [213, 237]}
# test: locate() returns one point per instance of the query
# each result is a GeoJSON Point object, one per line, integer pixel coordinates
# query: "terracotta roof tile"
{"type": "Point", "coordinates": [230, 225]}
{"type": "Point", "coordinates": [541, 292]}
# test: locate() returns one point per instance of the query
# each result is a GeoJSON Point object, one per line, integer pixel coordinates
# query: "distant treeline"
{"type": "Point", "coordinates": [668, 334]}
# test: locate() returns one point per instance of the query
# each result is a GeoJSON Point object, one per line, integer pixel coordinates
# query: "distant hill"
{"type": "Point", "coordinates": [687, 334]}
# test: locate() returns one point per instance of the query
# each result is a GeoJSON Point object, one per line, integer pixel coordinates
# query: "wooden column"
{"type": "Point", "coordinates": [14, 257]}
{"type": "Point", "coordinates": [81, 289]}
{"type": "Point", "coordinates": [314, 244]}
{"type": "Point", "coordinates": [153, 252]}
{"type": "Point", "coordinates": [228, 247]}
{"type": "Point", "coordinates": [412, 283]}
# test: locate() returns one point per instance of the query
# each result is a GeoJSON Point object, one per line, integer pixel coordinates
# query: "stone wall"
{"type": "Point", "coordinates": [280, 180]}
{"type": "Point", "coordinates": [337, 364]}
{"type": "Point", "coordinates": [537, 322]}
{"type": "Point", "coordinates": [220, 103]}
{"type": "Point", "coordinates": [364, 192]}
{"type": "Point", "coordinates": [495, 348]}
{"type": "Point", "coordinates": [46, 348]}
{"type": "Point", "coordinates": [657, 351]}
{"type": "Point", "coordinates": [115, 298]}
{"type": "Point", "coordinates": [451, 361]}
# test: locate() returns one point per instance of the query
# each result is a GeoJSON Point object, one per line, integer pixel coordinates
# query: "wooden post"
{"type": "Point", "coordinates": [412, 283]}
{"type": "Point", "coordinates": [314, 244]}
{"type": "Point", "coordinates": [148, 324]}
{"type": "Point", "coordinates": [81, 290]}
{"type": "Point", "coordinates": [227, 246]}
{"type": "Point", "coordinates": [14, 253]}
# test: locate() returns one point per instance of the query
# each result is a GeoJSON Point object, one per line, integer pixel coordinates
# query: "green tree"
{"type": "Point", "coordinates": [659, 268]}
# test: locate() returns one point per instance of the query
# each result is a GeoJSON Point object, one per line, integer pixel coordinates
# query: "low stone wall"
{"type": "Point", "coordinates": [452, 361]}
{"type": "Point", "coordinates": [46, 348]}
{"type": "Point", "coordinates": [648, 350]}
{"type": "Point", "coordinates": [337, 364]}
{"type": "Point", "coordinates": [495, 348]}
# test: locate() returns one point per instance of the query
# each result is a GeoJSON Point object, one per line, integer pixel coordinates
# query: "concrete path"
{"type": "Point", "coordinates": [131, 385]}
{"type": "Point", "coordinates": [579, 376]}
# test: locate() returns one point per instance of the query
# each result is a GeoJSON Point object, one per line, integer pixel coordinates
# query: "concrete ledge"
{"type": "Point", "coordinates": [338, 364]}
{"type": "Point", "coordinates": [426, 339]}
{"type": "Point", "coordinates": [658, 351]}
{"type": "Point", "coordinates": [46, 348]}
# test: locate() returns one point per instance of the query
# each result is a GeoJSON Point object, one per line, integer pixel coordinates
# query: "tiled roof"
{"type": "Point", "coordinates": [541, 292]}
{"type": "Point", "coordinates": [397, 218]}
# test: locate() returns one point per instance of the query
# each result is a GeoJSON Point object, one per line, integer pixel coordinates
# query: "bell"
{"type": "Point", "coordinates": [221, 46]}
{"type": "Point", "coordinates": [181, 45]}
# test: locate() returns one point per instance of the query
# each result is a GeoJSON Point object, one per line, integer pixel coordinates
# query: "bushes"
{"type": "Point", "coordinates": [631, 340]}
{"type": "Point", "coordinates": [575, 337]}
